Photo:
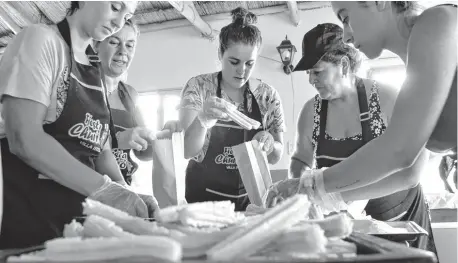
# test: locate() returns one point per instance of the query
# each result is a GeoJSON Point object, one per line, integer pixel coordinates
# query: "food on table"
{"type": "Point", "coordinates": [204, 214]}
{"type": "Point", "coordinates": [218, 232]}
{"type": "Point", "coordinates": [148, 248]}
{"type": "Point", "coordinates": [259, 233]}
{"type": "Point", "coordinates": [128, 223]}
{"type": "Point", "coordinates": [338, 225]}
{"type": "Point", "coordinates": [372, 226]}
{"type": "Point", "coordinates": [74, 229]}
{"type": "Point", "coordinates": [241, 119]}
{"type": "Point", "coordinates": [96, 226]}
{"type": "Point", "coordinates": [297, 240]}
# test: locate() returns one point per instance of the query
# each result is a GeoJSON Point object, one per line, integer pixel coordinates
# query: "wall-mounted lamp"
{"type": "Point", "coordinates": [287, 51]}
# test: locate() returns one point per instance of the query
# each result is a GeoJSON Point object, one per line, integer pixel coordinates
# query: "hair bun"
{"type": "Point", "coordinates": [242, 17]}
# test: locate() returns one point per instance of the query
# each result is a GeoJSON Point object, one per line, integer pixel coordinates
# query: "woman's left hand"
{"type": "Point", "coordinates": [266, 141]}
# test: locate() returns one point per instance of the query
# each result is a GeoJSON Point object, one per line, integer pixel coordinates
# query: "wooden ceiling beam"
{"type": "Point", "coordinates": [226, 16]}
{"type": "Point", "coordinates": [294, 12]}
{"type": "Point", "coordinates": [188, 10]}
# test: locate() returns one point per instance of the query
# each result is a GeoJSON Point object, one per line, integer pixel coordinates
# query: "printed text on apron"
{"type": "Point", "coordinates": [217, 177]}
{"type": "Point", "coordinates": [36, 210]}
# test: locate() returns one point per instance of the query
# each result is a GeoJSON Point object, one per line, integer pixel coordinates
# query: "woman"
{"type": "Point", "coordinates": [209, 134]}
{"type": "Point", "coordinates": [116, 53]}
{"type": "Point", "coordinates": [342, 118]}
{"type": "Point", "coordinates": [55, 125]}
{"type": "Point", "coordinates": [426, 42]}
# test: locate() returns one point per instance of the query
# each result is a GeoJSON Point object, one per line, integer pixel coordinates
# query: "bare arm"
{"type": "Point", "coordinates": [302, 158]}
{"type": "Point", "coordinates": [194, 136]}
{"type": "Point", "coordinates": [405, 179]}
{"type": "Point", "coordinates": [431, 68]}
{"type": "Point", "coordinates": [27, 139]}
{"type": "Point", "coordinates": [106, 164]}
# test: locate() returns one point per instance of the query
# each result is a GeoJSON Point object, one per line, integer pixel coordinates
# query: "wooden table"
{"type": "Point", "coordinates": [370, 249]}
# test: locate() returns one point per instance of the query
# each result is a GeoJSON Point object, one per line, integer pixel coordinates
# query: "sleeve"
{"type": "Point", "coordinates": [191, 96]}
{"type": "Point", "coordinates": [276, 116]}
{"type": "Point", "coordinates": [27, 69]}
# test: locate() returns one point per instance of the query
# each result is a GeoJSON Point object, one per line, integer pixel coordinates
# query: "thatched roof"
{"type": "Point", "coordinates": [16, 15]}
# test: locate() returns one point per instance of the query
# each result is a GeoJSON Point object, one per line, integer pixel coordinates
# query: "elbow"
{"type": "Point", "coordinates": [187, 151]}
{"type": "Point", "coordinates": [20, 145]}
{"type": "Point", "coordinates": [405, 158]}
{"type": "Point", "coordinates": [187, 154]}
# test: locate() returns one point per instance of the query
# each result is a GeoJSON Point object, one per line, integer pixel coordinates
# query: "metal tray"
{"type": "Point", "coordinates": [370, 249]}
{"type": "Point", "coordinates": [413, 231]}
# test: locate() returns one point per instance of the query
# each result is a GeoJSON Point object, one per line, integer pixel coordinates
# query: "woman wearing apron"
{"type": "Point", "coordinates": [212, 174]}
{"type": "Point", "coordinates": [116, 53]}
{"type": "Point", "coordinates": [55, 125]}
{"type": "Point", "coordinates": [342, 118]}
{"type": "Point", "coordinates": [425, 109]}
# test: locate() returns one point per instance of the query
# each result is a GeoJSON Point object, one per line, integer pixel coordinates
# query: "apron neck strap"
{"type": "Point", "coordinates": [363, 109]}
{"type": "Point", "coordinates": [246, 93]}
{"type": "Point", "coordinates": [64, 29]}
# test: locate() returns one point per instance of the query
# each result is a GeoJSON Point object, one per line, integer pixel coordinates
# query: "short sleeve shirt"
{"type": "Point", "coordinates": [198, 89]}
{"type": "Point", "coordinates": [35, 66]}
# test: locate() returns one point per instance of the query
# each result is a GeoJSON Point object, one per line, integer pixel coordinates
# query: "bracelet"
{"type": "Point", "coordinates": [319, 182]}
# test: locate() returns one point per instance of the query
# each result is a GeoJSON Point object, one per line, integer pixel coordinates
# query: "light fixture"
{"type": "Point", "coordinates": [287, 51]}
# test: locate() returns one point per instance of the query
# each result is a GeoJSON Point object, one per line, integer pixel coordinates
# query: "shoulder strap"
{"type": "Point", "coordinates": [364, 115]}
{"type": "Point", "coordinates": [129, 103]}
{"type": "Point", "coordinates": [323, 121]}
{"type": "Point", "coordinates": [64, 30]}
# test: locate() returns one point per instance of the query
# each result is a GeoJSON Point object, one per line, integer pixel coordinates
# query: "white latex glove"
{"type": "Point", "coordinates": [266, 141]}
{"type": "Point", "coordinates": [213, 109]}
{"type": "Point", "coordinates": [313, 185]}
{"type": "Point", "coordinates": [120, 197]}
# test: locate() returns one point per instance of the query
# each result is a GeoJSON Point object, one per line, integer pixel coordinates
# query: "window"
{"type": "Point", "coordinates": [430, 178]}
{"type": "Point", "coordinates": [157, 108]}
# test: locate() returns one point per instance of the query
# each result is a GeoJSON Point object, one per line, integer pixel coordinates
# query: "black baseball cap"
{"type": "Point", "coordinates": [317, 42]}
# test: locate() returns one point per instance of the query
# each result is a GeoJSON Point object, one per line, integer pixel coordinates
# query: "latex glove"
{"type": "Point", "coordinates": [135, 138]}
{"type": "Point", "coordinates": [312, 184]}
{"type": "Point", "coordinates": [266, 141]}
{"type": "Point", "coordinates": [120, 197]}
{"type": "Point", "coordinates": [280, 191]}
{"type": "Point", "coordinates": [213, 109]}
{"type": "Point", "coordinates": [151, 204]}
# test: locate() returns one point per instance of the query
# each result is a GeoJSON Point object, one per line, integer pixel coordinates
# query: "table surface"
{"type": "Point", "coordinates": [380, 251]}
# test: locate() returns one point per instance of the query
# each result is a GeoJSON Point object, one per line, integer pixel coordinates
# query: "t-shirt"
{"type": "Point", "coordinates": [35, 66]}
{"type": "Point", "coordinates": [200, 88]}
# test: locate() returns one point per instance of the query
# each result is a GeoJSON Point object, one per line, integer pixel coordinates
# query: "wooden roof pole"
{"type": "Point", "coordinates": [188, 10]}
{"type": "Point", "coordinates": [294, 12]}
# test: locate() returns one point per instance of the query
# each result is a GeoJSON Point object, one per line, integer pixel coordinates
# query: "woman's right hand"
{"type": "Point", "coordinates": [213, 109]}
{"type": "Point", "coordinates": [136, 138]}
{"type": "Point", "coordinates": [120, 197]}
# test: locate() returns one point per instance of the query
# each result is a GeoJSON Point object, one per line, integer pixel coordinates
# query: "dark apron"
{"type": "Point", "coordinates": [124, 119]}
{"type": "Point", "coordinates": [407, 205]}
{"type": "Point", "coordinates": [35, 207]}
{"type": "Point", "coordinates": [217, 177]}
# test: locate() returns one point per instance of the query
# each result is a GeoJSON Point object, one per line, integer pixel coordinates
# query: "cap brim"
{"type": "Point", "coordinates": [305, 63]}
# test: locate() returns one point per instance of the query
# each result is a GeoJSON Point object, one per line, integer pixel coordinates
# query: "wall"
{"type": "Point", "coordinates": [167, 59]}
